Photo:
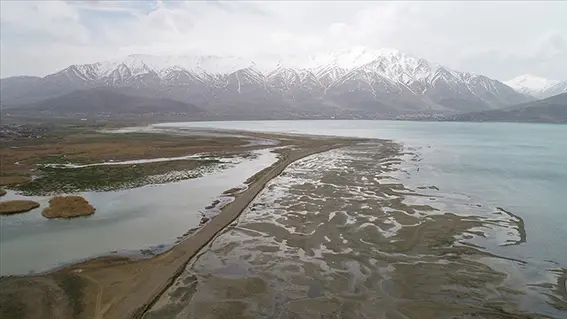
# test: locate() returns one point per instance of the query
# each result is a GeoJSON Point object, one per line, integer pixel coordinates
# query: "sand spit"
{"type": "Point", "coordinates": [68, 207]}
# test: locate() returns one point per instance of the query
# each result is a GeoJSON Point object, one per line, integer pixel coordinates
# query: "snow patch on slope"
{"type": "Point", "coordinates": [358, 69]}
{"type": "Point", "coordinates": [531, 84]}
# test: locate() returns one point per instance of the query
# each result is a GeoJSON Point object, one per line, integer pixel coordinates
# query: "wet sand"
{"type": "Point", "coordinates": [117, 287]}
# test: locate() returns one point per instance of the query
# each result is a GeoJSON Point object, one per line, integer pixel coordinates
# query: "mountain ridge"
{"type": "Point", "coordinates": [386, 82]}
{"type": "Point", "coordinates": [106, 101]}
{"type": "Point", "coordinates": [536, 86]}
{"type": "Point", "coordinates": [549, 110]}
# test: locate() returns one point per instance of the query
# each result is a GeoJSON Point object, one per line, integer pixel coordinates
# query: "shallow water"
{"type": "Point", "coordinates": [149, 217]}
{"type": "Point", "coordinates": [519, 167]}
{"type": "Point", "coordinates": [132, 162]}
{"type": "Point", "coordinates": [328, 238]}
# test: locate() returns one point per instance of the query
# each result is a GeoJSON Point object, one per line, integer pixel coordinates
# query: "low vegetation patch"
{"type": "Point", "coordinates": [17, 206]}
{"type": "Point", "coordinates": [27, 149]}
{"type": "Point", "coordinates": [68, 207]}
{"type": "Point", "coordinates": [74, 287]}
{"type": "Point", "coordinates": [82, 144]}
{"type": "Point", "coordinates": [2, 192]}
{"type": "Point", "coordinates": [57, 180]}
{"type": "Point", "coordinates": [49, 296]}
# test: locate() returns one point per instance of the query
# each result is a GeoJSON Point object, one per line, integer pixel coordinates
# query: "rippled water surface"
{"type": "Point", "coordinates": [451, 220]}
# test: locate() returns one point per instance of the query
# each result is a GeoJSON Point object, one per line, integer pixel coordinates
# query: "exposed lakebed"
{"type": "Point", "coordinates": [424, 229]}
{"type": "Point", "coordinates": [344, 234]}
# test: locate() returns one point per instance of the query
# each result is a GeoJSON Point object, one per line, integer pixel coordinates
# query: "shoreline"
{"type": "Point", "coordinates": [326, 231]}
{"type": "Point", "coordinates": [126, 287]}
{"type": "Point", "coordinates": [362, 207]}
{"type": "Point", "coordinates": [234, 209]}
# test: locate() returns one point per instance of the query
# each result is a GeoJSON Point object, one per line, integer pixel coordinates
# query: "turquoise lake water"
{"type": "Point", "coordinates": [521, 168]}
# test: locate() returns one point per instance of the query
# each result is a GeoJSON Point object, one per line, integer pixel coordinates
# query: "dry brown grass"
{"type": "Point", "coordinates": [68, 207]}
{"type": "Point", "coordinates": [92, 148]}
{"type": "Point", "coordinates": [17, 206]}
{"type": "Point", "coordinates": [12, 180]}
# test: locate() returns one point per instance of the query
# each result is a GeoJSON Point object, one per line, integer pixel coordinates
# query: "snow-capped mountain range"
{"type": "Point", "coordinates": [382, 82]}
{"type": "Point", "coordinates": [537, 86]}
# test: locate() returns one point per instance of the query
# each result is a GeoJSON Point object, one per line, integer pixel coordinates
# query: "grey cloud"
{"type": "Point", "coordinates": [548, 57]}
{"type": "Point", "coordinates": [499, 39]}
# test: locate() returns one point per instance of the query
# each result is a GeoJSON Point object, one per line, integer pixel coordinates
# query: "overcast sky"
{"type": "Point", "coordinates": [497, 39]}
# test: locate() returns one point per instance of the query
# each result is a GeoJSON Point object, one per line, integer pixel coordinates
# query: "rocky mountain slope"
{"type": "Point", "coordinates": [105, 102]}
{"type": "Point", "coordinates": [357, 82]}
{"type": "Point", "coordinates": [558, 88]}
{"type": "Point", "coordinates": [549, 110]}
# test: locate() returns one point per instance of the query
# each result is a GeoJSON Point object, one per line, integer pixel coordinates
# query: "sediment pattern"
{"type": "Point", "coordinates": [338, 236]}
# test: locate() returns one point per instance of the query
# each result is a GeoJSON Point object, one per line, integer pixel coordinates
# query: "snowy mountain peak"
{"type": "Point", "coordinates": [363, 79]}
{"type": "Point", "coordinates": [197, 64]}
{"type": "Point", "coordinates": [531, 84]}
{"type": "Point", "coordinates": [356, 57]}
{"type": "Point", "coordinates": [390, 63]}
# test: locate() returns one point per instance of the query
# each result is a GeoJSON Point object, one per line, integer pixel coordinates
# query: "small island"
{"type": "Point", "coordinates": [10, 207]}
{"type": "Point", "coordinates": [68, 207]}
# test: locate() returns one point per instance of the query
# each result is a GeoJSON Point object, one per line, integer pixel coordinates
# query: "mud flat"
{"type": "Point", "coordinates": [119, 287]}
{"type": "Point", "coordinates": [337, 236]}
